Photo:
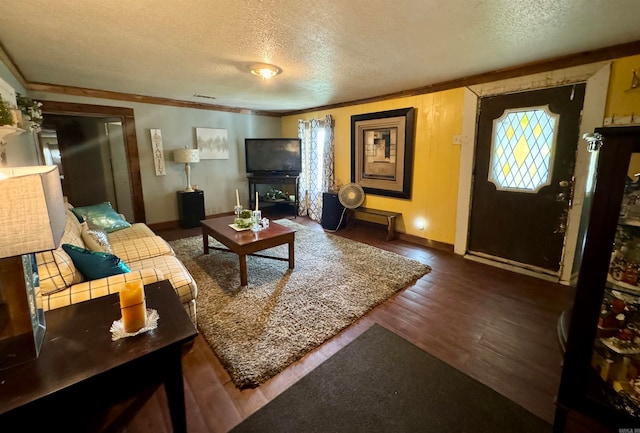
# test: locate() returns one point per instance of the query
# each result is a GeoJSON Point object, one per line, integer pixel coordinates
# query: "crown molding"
{"type": "Point", "coordinates": [582, 58]}
{"type": "Point", "coordinates": [131, 97]}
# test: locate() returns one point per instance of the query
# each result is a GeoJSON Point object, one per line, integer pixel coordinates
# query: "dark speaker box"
{"type": "Point", "coordinates": [333, 213]}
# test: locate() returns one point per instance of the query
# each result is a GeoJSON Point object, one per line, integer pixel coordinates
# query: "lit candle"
{"type": "Point", "coordinates": [237, 199]}
{"type": "Point", "coordinates": [256, 200]}
{"type": "Point", "coordinates": [133, 306]}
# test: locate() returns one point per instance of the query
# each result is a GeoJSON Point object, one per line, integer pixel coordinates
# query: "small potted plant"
{"type": "Point", "coordinates": [31, 113]}
{"type": "Point", "coordinates": [246, 219]}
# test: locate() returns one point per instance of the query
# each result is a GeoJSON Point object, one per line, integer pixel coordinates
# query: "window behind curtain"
{"type": "Point", "coordinates": [317, 164]}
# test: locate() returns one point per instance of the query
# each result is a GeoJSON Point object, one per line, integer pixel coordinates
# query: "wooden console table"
{"type": "Point", "coordinates": [83, 381]}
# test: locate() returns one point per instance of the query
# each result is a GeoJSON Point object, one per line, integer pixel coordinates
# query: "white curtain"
{"type": "Point", "coordinates": [317, 164]}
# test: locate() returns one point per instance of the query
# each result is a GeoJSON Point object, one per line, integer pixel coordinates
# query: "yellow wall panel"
{"type": "Point", "coordinates": [619, 101]}
{"type": "Point", "coordinates": [435, 165]}
{"type": "Point", "coordinates": [436, 158]}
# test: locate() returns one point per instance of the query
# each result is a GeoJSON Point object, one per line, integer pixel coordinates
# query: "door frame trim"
{"type": "Point", "coordinates": [596, 76]}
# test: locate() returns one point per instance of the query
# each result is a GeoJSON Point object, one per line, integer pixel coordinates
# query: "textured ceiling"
{"type": "Point", "coordinates": [330, 51]}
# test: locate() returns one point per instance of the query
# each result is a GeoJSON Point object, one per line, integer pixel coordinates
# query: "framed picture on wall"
{"type": "Point", "coordinates": [382, 152]}
{"type": "Point", "coordinates": [212, 143]}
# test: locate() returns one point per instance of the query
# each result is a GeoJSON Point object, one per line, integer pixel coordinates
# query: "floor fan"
{"type": "Point", "coordinates": [351, 196]}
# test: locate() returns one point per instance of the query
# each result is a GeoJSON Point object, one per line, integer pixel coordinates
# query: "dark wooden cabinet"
{"type": "Point", "coordinates": [191, 208]}
{"type": "Point", "coordinates": [264, 185]}
{"type": "Point", "coordinates": [601, 368]}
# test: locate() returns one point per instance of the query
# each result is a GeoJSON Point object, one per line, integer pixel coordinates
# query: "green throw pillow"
{"type": "Point", "coordinates": [94, 264]}
{"type": "Point", "coordinates": [101, 216]}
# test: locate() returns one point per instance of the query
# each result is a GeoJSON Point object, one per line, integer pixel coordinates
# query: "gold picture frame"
{"type": "Point", "coordinates": [382, 152]}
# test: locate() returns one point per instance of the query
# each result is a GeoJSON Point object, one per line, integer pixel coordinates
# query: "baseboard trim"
{"type": "Point", "coordinates": [423, 242]}
{"type": "Point", "coordinates": [166, 225]}
{"type": "Point", "coordinates": [172, 225]}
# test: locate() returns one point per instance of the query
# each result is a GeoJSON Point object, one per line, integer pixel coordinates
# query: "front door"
{"type": "Point", "coordinates": [525, 159]}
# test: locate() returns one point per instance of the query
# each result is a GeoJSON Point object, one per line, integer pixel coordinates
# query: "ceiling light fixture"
{"type": "Point", "coordinates": [264, 70]}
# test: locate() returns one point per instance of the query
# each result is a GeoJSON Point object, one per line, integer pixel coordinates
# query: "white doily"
{"type": "Point", "coordinates": [117, 327]}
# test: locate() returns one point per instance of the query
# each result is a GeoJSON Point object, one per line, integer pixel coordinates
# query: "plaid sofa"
{"type": "Point", "coordinates": [149, 257]}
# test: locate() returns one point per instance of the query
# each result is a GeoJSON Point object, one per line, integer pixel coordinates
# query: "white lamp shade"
{"type": "Point", "coordinates": [186, 155]}
{"type": "Point", "coordinates": [32, 210]}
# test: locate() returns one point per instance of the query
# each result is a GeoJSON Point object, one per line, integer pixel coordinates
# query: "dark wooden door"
{"type": "Point", "coordinates": [525, 159]}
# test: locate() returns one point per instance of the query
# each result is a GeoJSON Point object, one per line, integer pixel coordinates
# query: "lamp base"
{"type": "Point", "coordinates": [22, 324]}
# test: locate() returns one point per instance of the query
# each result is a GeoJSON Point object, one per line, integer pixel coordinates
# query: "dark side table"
{"type": "Point", "coordinates": [81, 375]}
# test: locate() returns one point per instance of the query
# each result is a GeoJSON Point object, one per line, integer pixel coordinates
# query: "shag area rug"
{"type": "Point", "coordinates": [258, 330]}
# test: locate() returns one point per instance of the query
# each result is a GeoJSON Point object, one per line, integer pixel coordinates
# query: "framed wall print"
{"type": "Point", "coordinates": [212, 143]}
{"type": "Point", "coordinates": [382, 152]}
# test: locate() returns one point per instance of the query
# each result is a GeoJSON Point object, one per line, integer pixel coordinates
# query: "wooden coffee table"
{"type": "Point", "coordinates": [83, 381]}
{"type": "Point", "coordinates": [247, 242]}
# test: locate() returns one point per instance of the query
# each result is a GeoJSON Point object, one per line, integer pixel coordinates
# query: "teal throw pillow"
{"type": "Point", "coordinates": [101, 216]}
{"type": "Point", "coordinates": [95, 264]}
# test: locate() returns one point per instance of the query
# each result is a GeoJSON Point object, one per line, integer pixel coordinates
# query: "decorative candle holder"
{"type": "Point", "coordinates": [237, 210]}
{"type": "Point", "coordinates": [133, 306]}
{"type": "Point", "coordinates": [257, 216]}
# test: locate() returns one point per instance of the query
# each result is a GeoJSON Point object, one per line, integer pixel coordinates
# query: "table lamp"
{"type": "Point", "coordinates": [187, 156]}
{"type": "Point", "coordinates": [32, 219]}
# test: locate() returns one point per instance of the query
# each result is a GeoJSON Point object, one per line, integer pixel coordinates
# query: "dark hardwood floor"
{"type": "Point", "coordinates": [497, 326]}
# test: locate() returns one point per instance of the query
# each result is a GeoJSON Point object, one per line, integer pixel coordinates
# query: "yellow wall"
{"type": "Point", "coordinates": [619, 102]}
{"type": "Point", "coordinates": [436, 158]}
{"type": "Point", "coordinates": [435, 165]}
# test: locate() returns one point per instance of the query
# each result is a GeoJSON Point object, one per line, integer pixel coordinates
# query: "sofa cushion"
{"type": "Point", "coordinates": [136, 231]}
{"type": "Point", "coordinates": [95, 239]}
{"type": "Point", "coordinates": [55, 268]}
{"type": "Point", "coordinates": [175, 272]}
{"type": "Point", "coordinates": [73, 228]}
{"type": "Point", "coordinates": [97, 288]}
{"type": "Point", "coordinates": [101, 216]}
{"type": "Point", "coordinates": [95, 264]}
{"type": "Point", "coordinates": [132, 250]}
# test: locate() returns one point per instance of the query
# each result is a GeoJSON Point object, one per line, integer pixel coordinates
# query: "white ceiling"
{"type": "Point", "coordinates": [330, 51]}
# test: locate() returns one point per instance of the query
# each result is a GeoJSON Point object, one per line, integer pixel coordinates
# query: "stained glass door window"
{"type": "Point", "coordinates": [523, 143]}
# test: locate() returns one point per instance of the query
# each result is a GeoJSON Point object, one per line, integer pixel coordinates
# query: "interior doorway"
{"type": "Point", "coordinates": [89, 153]}
{"type": "Point", "coordinates": [96, 151]}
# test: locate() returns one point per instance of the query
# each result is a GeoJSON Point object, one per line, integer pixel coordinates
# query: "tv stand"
{"type": "Point", "coordinates": [275, 181]}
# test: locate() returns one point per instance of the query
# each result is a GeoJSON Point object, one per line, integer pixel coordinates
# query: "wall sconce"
{"type": "Point", "coordinates": [635, 82]}
{"type": "Point", "coordinates": [187, 156]}
{"type": "Point", "coordinates": [264, 70]}
{"type": "Point", "coordinates": [32, 219]}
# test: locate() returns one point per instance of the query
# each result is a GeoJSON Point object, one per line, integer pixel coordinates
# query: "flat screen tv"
{"type": "Point", "coordinates": [273, 156]}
